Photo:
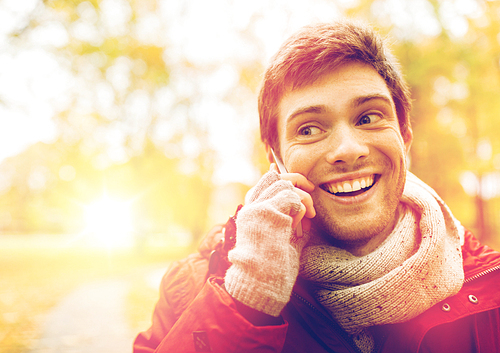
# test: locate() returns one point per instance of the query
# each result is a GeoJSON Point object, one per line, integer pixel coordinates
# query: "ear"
{"type": "Point", "coordinates": [408, 139]}
{"type": "Point", "coordinates": [269, 153]}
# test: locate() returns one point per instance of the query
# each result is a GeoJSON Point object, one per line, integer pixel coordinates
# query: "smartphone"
{"type": "Point", "coordinates": [282, 169]}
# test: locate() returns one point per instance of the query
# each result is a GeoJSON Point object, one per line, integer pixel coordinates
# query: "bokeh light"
{"type": "Point", "coordinates": [109, 223]}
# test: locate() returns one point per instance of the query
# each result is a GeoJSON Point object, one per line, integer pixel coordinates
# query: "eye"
{"type": "Point", "coordinates": [369, 119]}
{"type": "Point", "coordinates": [309, 131]}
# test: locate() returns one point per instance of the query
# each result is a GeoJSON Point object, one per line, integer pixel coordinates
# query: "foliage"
{"type": "Point", "coordinates": [145, 82]}
{"type": "Point", "coordinates": [449, 54]}
{"type": "Point", "coordinates": [41, 201]}
{"type": "Point", "coordinates": [158, 93]}
{"type": "Point", "coordinates": [108, 127]}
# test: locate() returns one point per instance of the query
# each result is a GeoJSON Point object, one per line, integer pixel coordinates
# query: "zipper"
{"type": "Point", "coordinates": [481, 274]}
{"type": "Point", "coordinates": [309, 305]}
{"type": "Point", "coordinates": [344, 335]}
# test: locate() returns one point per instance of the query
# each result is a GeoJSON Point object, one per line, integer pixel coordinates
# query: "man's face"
{"type": "Point", "coordinates": [342, 133]}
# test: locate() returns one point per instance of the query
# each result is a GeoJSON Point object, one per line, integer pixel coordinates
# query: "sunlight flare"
{"type": "Point", "coordinates": [109, 222]}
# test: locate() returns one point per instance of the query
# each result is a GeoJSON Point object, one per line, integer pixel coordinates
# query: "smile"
{"type": "Point", "coordinates": [351, 187]}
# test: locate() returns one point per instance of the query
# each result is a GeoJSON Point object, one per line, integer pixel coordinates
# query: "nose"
{"type": "Point", "coordinates": [347, 146]}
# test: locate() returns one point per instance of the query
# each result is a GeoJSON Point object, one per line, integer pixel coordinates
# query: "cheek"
{"type": "Point", "coordinates": [392, 145]}
{"type": "Point", "coordinates": [300, 159]}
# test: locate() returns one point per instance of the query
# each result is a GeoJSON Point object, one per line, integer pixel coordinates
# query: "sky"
{"type": "Point", "coordinates": [36, 83]}
{"type": "Point", "coordinates": [32, 82]}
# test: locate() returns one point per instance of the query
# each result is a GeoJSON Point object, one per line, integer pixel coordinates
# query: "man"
{"type": "Point", "coordinates": [345, 252]}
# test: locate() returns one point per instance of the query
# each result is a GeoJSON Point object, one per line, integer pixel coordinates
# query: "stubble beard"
{"type": "Point", "coordinates": [356, 231]}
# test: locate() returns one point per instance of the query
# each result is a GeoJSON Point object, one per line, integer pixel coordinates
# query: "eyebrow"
{"type": "Point", "coordinates": [313, 109]}
{"type": "Point", "coordinates": [363, 99]}
{"type": "Point", "coordinates": [321, 109]}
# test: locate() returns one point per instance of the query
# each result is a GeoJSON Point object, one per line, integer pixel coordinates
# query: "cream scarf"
{"type": "Point", "coordinates": [417, 266]}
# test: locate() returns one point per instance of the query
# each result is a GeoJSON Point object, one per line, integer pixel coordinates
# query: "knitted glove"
{"type": "Point", "coordinates": [265, 259]}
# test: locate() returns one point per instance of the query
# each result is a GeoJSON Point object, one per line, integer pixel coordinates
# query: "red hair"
{"type": "Point", "coordinates": [317, 50]}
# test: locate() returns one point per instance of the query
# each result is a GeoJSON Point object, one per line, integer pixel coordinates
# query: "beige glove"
{"type": "Point", "coordinates": [265, 259]}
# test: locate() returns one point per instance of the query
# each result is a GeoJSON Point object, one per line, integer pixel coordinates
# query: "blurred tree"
{"type": "Point", "coordinates": [450, 52]}
{"type": "Point", "coordinates": [162, 91]}
{"type": "Point", "coordinates": [53, 183]}
{"type": "Point", "coordinates": [120, 100]}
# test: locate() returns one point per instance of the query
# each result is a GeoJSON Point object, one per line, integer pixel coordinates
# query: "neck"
{"type": "Point", "coordinates": [364, 246]}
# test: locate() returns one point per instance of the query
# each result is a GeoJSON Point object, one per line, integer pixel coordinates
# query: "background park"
{"type": "Point", "coordinates": [129, 128]}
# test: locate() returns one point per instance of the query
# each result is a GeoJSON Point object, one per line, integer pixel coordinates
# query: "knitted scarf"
{"type": "Point", "coordinates": [417, 266]}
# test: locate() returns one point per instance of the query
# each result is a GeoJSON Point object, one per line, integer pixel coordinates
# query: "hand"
{"type": "Point", "coordinates": [265, 259]}
{"type": "Point", "coordinates": [303, 188]}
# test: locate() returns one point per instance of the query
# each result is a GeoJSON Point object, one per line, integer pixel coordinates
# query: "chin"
{"type": "Point", "coordinates": [354, 233]}
{"type": "Point", "coordinates": [348, 237]}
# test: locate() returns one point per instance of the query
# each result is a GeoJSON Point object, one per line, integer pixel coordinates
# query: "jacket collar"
{"type": "Point", "coordinates": [481, 292]}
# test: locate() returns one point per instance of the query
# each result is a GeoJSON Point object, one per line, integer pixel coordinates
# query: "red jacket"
{"type": "Point", "coordinates": [197, 315]}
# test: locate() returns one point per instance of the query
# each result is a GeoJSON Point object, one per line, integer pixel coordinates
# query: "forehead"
{"type": "Point", "coordinates": [344, 87]}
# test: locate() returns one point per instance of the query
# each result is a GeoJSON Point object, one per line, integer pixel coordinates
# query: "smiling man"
{"type": "Point", "coordinates": [345, 250]}
{"type": "Point", "coordinates": [340, 133]}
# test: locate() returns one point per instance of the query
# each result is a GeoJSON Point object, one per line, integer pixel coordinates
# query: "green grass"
{"type": "Point", "coordinates": [33, 280]}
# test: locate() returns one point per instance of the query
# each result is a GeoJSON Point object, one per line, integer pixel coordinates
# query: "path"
{"type": "Point", "coordinates": [91, 320]}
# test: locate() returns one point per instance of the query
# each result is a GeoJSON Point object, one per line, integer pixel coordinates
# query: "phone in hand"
{"type": "Point", "coordinates": [282, 169]}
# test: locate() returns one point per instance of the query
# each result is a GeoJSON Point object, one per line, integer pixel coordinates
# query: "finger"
{"type": "Point", "coordinates": [307, 201]}
{"type": "Point", "coordinates": [306, 224]}
{"type": "Point", "coordinates": [298, 216]}
{"type": "Point", "coordinates": [299, 181]}
{"type": "Point", "coordinates": [274, 168]}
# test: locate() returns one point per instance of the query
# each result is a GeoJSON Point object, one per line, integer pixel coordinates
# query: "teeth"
{"type": "Point", "coordinates": [351, 185]}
